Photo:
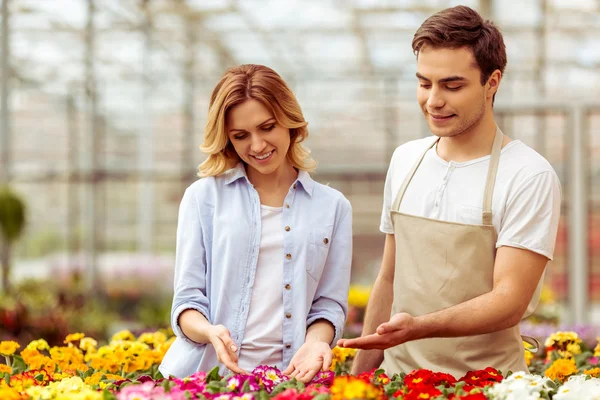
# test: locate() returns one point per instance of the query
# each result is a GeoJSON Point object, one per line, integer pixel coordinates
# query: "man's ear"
{"type": "Point", "coordinates": [493, 83]}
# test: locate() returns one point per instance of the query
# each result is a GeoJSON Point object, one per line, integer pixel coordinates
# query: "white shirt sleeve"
{"type": "Point", "coordinates": [386, 225]}
{"type": "Point", "coordinates": [531, 217]}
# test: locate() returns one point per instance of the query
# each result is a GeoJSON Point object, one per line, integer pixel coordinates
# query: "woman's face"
{"type": "Point", "coordinates": [257, 137]}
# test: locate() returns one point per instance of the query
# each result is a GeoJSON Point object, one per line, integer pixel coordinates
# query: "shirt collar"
{"type": "Point", "coordinates": [239, 172]}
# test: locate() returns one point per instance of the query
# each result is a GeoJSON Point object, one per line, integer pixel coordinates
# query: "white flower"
{"type": "Point", "coordinates": [520, 385]}
{"type": "Point", "coordinates": [579, 388]}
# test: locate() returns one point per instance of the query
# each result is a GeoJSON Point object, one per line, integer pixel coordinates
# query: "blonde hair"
{"type": "Point", "coordinates": [261, 83]}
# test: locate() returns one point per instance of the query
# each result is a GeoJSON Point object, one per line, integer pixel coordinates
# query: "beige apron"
{"type": "Point", "coordinates": [438, 265]}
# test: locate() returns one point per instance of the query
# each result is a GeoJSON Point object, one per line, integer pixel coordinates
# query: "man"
{"type": "Point", "coordinates": [471, 218]}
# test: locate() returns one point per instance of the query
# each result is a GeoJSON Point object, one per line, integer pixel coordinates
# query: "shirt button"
{"type": "Point", "coordinates": [287, 228]}
{"type": "Point", "coordinates": [294, 186]}
{"type": "Point", "coordinates": [288, 346]}
{"type": "Point", "coordinates": [288, 315]}
{"type": "Point", "coordinates": [287, 205]}
{"type": "Point", "coordinates": [288, 256]}
{"type": "Point", "coordinates": [325, 240]}
{"type": "Point", "coordinates": [288, 287]}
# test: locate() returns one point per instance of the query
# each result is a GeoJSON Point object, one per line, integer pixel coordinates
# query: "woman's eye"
{"type": "Point", "coordinates": [269, 128]}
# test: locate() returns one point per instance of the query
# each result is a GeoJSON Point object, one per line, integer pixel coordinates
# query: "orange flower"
{"type": "Point", "coordinates": [561, 369]}
{"type": "Point", "coordinates": [5, 369]}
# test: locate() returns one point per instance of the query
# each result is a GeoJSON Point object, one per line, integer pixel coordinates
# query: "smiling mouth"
{"type": "Point", "coordinates": [264, 156]}
{"type": "Point", "coordinates": [441, 117]}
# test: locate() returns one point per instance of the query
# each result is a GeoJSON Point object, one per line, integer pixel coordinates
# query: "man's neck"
{"type": "Point", "coordinates": [474, 143]}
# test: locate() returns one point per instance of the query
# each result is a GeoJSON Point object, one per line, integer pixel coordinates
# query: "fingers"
{"type": "Point", "coordinates": [327, 360]}
{"type": "Point", "coordinates": [368, 342]}
{"type": "Point", "coordinates": [289, 369]}
{"type": "Point", "coordinates": [226, 349]}
{"type": "Point", "coordinates": [306, 376]}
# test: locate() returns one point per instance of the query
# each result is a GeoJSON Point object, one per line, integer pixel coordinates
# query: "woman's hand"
{"type": "Point", "coordinates": [311, 358]}
{"type": "Point", "coordinates": [225, 348]}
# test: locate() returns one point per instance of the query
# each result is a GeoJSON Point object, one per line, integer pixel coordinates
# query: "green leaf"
{"type": "Point", "coordinates": [213, 375]}
{"type": "Point", "coordinates": [6, 377]}
{"type": "Point", "coordinates": [18, 365]}
{"type": "Point", "coordinates": [106, 395]}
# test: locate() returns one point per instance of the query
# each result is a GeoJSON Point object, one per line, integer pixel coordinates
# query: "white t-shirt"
{"type": "Point", "coordinates": [263, 336]}
{"type": "Point", "coordinates": [526, 199]}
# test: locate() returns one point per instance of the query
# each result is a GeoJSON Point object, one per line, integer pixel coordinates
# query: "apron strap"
{"type": "Point", "coordinates": [533, 342]}
{"type": "Point", "coordinates": [411, 173]}
{"type": "Point", "coordinates": [486, 218]}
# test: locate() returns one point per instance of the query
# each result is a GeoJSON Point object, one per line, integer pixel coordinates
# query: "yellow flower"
{"type": "Point", "coordinates": [562, 338]}
{"type": "Point", "coordinates": [341, 354]}
{"type": "Point", "coordinates": [123, 335]}
{"type": "Point", "coordinates": [561, 369]}
{"type": "Point", "coordinates": [88, 345]}
{"type": "Point", "coordinates": [358, 295]}
{"type": "Point", "coordinates": [5, 369]}
{"type": "Point", "coordinates": [7, 393]}
{"type": "Point", "coordinates": [39, 344]}
{"type": "Point", "coordinates": [8, 347]}
{"type": "Point", "coordinates": [594, 372]}
{"type": "Point", "coordinates": [597, 348]}
{"type": "Point", "coordinates": [547, 295]}
{"type": "Point", "coordinates": [73, 337]}
{"type": "Point", "coordinates": [349, 387]}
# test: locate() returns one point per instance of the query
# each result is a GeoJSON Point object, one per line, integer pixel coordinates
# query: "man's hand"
{"type": "Point", "coordinates": [401, 328]}
{"type": "Point", "coordinates": [225, 348]}
{"type": "Point", "coordinates": [311, 358]}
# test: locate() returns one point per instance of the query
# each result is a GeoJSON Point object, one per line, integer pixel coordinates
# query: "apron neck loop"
{"type": "Point", "coordinates": [486, 217]}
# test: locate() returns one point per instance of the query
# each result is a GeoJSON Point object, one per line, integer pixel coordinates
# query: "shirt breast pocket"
{"type": "Point", "coordinates": [319, 241]}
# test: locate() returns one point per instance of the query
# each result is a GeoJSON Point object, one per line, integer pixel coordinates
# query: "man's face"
{"type": "Point", "coordinates": [450, 93]}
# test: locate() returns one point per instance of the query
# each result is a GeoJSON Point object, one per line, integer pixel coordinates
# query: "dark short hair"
{"type": "Point", "coordinates": [462, 26]}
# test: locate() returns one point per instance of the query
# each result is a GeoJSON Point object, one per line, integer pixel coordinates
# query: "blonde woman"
{"type": "Point", "coordinates": [263, 251]}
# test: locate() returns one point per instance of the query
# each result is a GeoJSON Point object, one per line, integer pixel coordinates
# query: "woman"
{"type": "Point", "coordinates": [263, 251]}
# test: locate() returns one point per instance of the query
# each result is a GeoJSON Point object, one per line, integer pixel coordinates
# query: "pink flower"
{"type": "Point", "coordinates": [324, 378]}
{"type": "Point", "coordinates": [136, 392]}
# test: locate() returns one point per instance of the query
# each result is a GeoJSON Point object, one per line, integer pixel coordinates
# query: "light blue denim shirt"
{"type": "Point", "coordinates": [218, 239]}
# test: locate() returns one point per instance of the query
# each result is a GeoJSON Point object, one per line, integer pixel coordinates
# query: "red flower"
{"type": "Point", "coordinates": [422, 393]}
{"type": "Point", "coordinates": [429, 378]}
{"type": "Point", "coordinates": [482, 378]}
{"type": "Point", "coordinates": [475, 396]}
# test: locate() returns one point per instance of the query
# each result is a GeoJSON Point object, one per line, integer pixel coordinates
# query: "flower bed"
{"type": "Point", "coordinates": [126, 369]}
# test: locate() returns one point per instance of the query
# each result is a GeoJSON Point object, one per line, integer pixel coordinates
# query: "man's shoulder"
{"type": "Point", "coordinates": [521, 159]}
{"type": "Point", "coordinates": [412, 149]}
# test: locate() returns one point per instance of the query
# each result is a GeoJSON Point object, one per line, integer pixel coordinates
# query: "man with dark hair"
{"type": "Point", "coordinates": [470, 217]}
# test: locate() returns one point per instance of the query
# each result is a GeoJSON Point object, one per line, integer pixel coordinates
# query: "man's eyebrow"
{"type": "Point", "coordinates": [453, 78]}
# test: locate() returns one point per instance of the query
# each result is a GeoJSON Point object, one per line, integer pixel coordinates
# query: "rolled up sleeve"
{"type": "Point", "coordinates": [190, 264]}
{"type": "Point", "coordinates": [331, 297]}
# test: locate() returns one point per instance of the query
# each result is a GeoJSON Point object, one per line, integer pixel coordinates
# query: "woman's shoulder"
{"type": "Point", "coordinates": [329, 195]}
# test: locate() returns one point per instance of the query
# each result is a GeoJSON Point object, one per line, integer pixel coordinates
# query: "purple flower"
{"type": "Point", "coordinates": [268, 377]}
{"type": "Point", "coordinates": [237, 382]}
{"type": "Point", "coordinates": [324, 378]}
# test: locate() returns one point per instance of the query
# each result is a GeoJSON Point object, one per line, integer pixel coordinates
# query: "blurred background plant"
{"type": "Point", "coordinates": [12, 224]}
